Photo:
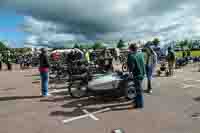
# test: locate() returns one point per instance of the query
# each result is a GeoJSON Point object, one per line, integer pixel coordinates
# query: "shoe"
{"type": "Point", "coordinates": [148, 91]}
{"type": "Point", "coordinates": [137, 107]}
{"type": "Point", "coordinates": [47, 95]}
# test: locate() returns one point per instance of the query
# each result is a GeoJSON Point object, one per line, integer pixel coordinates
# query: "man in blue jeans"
{"type": "Point", "coordinates": [44, 71]}
{"type": "Point", "coordinates": [136, 66]}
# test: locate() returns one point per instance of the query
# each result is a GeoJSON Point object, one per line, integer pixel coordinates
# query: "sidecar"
{"type": "Point", "coordinates": [109, 84]}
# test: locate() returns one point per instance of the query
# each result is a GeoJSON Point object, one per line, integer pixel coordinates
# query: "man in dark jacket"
{"type": "Point", "coordinates": [136, 66]}
{"type": "Point", "coordinates": [171, 58]}
{"type": "Point", "coordinates": [44, 71]}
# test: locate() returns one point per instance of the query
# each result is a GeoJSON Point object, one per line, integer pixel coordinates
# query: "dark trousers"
{"type": "Point", "coordinates": [9, 65]}
{"type": "Point", "coordinates": [0, 65]}
{"type": "Point", "coordinates": [44, 83]}
{"type": "Point", "coordinates": [139, 99]}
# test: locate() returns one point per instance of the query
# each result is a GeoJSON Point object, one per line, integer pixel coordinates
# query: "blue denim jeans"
{"type": "Point", "coordinates": [149, 71]}
{"type": "Point", "coordinates": [139, 100]}
{"type": "Point", "coordinates": [44, 82]}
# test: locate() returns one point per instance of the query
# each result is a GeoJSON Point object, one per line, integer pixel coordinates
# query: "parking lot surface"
{"type": "Point", "coordinates": [173, 107]}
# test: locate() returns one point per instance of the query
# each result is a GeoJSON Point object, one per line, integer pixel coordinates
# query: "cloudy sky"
{"type": "Point", "coordinates": [57, 21]}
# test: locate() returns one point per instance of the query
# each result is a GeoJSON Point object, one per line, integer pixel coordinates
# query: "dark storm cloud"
{"type": "Point", "coordinates": [106, 20]}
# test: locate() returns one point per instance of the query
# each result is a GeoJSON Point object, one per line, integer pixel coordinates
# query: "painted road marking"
{"type": "Point", "coordinates": [90, 115]}
{"type": "Point", "coordinates": [57, 91]}
{"type": "Point", "coordinates": [188, 79]}
{"type": "Point", "coordinates": [84, 116]}
{"type": "Point", "coordinates": [187, 86]}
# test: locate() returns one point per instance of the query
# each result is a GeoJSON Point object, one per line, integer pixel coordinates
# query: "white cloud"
{"type": "Point", "coordinates": [108, 20]}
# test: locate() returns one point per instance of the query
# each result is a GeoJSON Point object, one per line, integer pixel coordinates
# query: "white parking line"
{"type": "Point", "coordinates": [187, 86]}
{"type": "Point", "coordinates": [188, 79]}
{"type": "Point", "coordinates": [59, 90]}
{"type": "Point", "coordinates": [84, 116]}
{"type": "Point", "coordinates": [90, 115]}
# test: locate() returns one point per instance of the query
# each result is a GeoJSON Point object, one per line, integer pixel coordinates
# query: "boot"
{"type": "Point", "coordinates": [149, 89]}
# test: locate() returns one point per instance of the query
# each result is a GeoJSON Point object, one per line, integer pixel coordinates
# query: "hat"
{"type": "Point", "coordinates": [43, 50]}
{"type": "Point", "coordinates": [133, 46]}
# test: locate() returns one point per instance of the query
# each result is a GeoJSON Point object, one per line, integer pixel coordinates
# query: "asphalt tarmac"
{"type": "Point", "coordinates": [173, 107]}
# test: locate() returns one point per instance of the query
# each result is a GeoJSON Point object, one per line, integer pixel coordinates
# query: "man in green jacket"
{"type": "Point", "coordinates": [136, 66]}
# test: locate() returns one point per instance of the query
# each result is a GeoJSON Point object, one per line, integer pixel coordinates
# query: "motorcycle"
{"type": "Point", "coordinates": [107, 84]}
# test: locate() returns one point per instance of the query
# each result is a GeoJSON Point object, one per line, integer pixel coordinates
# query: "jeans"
{"type": "Point", "coordinates": [44, 82]}
{"type": "Point", "coordinates": [149, 70]}
{"type": "Point", "coordinates": [139, 100]}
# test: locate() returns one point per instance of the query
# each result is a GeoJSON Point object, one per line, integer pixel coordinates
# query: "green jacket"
{"type": "Point", "coordinates": [136, 65]}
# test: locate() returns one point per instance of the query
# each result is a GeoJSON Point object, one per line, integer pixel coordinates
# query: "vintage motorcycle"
{"type": "Point", "coordinates": [115, 84]}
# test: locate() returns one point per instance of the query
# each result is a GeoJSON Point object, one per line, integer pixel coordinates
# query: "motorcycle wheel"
{"type": "Point", "coordinates": [78, 91]}
{"type": "Point", "coordinates": [53, 75]}
{"type": "Point", "coordinates": [159, 72]}
{"type": "Point", "coordinates": [130, 92]}
{"type": "Point", "coordinates": [125, 67]}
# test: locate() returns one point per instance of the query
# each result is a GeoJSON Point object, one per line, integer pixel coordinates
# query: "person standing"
{"type": "Point", "coordinates": [44, 71]}
{"type": "Point", "coordinates": [136, 66]}
{"type": "Point", "coordinates": [151, 63]}
{"type": "Point", "coordinates": [21, 60]}
{"type": "Point", "coordinates": [171, 58]}
{"type": "Point", "coordinates": [1, 61]}
{"type": "Point", "coordinates": [87, 56]}
{"type": "Point", "coordinates": [8, 61]}
{"type": "Point", "coordinates": [183, 54]}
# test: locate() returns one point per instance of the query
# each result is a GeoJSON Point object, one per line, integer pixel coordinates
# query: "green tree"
{"type": "Point", "coordinates": [156, 42]}
{"type": "Point", "coordinates": [76, 46]}
{"type": "Point", "coordinates": [3, 46]}
{"type": "Point", "coordinates": [120, 44]}
{"type": "Point", "coordinates": [190, 45]}
{"type": "Point", "coordinates": [98, 45]}
{"type": "Point", "coordinates": [183, 44]}
{"type": "Point", "coordinates": [81, 47]}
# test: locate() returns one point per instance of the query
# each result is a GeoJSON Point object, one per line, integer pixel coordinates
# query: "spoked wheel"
{"type": "Point", "coordinates": [130, 92]}
{"type": "Point", "coordinates": [53, 75]}
{"type": "Point", "coordinates": [159, 72]}
{"type": "Point", "coordinates": [78, 91]}
{"type": "Point", "coordinates": [167, 73]}
{"type": "Point", "coordinates": [125, 67]}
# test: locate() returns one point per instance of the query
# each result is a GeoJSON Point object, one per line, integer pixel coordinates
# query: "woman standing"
{"type": "Point", "coordinates": [44, 71]}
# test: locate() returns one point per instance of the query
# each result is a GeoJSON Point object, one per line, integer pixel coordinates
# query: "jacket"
{"type": "Point", "coordinates": [152, 60]}
{"type": "Point", "coordinates": [44, 61]}
{"type": "Point", "coordinates": [136, 65]}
